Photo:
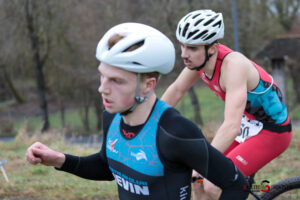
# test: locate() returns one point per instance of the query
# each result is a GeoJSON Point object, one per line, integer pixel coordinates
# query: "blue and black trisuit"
{"type": "Point", "coordinates": [154, 160]}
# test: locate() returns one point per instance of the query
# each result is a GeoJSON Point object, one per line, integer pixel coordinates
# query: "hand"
{"type": "Point", "coordinates": [198, 187]}
{"type": "Point", "coordinates": [196, 177]}
{"type": "Point", "coordinates": [40, 153]}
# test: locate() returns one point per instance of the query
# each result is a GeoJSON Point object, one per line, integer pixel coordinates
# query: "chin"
{"type": "Point", "coordinates": [111, 111]}
{"type": "Point", "coordinates": [114, 111]}
{"type": "Point", "coordinates": [190, 67]}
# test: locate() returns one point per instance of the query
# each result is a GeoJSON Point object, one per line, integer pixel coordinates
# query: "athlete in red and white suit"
{"type": "Point", "coordinates": [246, 88]}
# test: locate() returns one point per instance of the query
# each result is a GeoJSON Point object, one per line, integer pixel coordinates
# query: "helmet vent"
{"type": "Point", "coordinates": [136, 63]}
{"type": "Point", "coordinates": [210, 36]}
{"type": "Point", "coordinates": [179, 30]}
{"type": "Point", "coordinates": [186, 27]}
{"type": "Point", "coordinates": [195, 16]}
{"type": "Point", "coordinates": [198, 22]}
{"type": "Point", "coordinates": [200, 35]}
{"type": "Point", "coordinates": [134, 46]}
{"type": "Point", "coordinates": [210, 21]}
{"type": "Point", "coordinates": [187, 17]}
{"type": "Point", "coordinates": [219, 23]}
{"type": "Point", "coordinates": [191, 34]}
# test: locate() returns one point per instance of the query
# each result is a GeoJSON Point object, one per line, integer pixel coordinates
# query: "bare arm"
{"type": "Point", "coordinates": [234, 82]}
{"type": "Point", "coordinates": [180, 86]}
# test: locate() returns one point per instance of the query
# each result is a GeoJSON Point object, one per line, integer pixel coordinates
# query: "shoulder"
{"type": "Point", "coordinates": [235, 61]}
{"type": "Point", "coordinates": [107, 119]}
{"type": "Point", "coordinates": [235, 68]}
{"type": "Point", "coordinates": [177, 125]}
{"type": "Point", "coordinates": [178, 137]}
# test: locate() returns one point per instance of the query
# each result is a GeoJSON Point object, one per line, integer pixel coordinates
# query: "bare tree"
{"type": "Point", "coordinates": [73, 28]}
{"type": "Point", "coordinates": [7, 81]}
{"type": "Point", "coordinates": [287, 13]}
{"type": "Point", "coordinates": [8, 28]}
{"type": "Point", "coordinates": [172, 24]}
{"type": "Point", "coordinates": [39, 59]}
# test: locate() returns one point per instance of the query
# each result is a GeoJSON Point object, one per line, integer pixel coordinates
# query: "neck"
{"type": "Point", "coordinates": [141, 112]}
{"type": "Point", "coordinates": [210, 65]}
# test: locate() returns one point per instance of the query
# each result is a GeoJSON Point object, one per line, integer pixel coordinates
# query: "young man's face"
{"type": "Point", "coordinates": [193, 55]}
{"type": "Point", "coordinates": [117, 88]}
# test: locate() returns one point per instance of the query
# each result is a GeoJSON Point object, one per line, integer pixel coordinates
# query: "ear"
{"type": "Point", "coordinates": [150, 84]}
{"type": "Point", "coordinates": [213, 49]}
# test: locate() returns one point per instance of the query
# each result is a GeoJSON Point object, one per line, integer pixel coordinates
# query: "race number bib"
{"type": "Point", "coordinates": [249, 128]}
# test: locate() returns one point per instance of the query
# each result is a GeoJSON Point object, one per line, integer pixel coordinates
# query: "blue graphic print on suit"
{"type": "Point", "coordinates": [264, 103]}
{"type": "Point", "coordinates": [139, 153]}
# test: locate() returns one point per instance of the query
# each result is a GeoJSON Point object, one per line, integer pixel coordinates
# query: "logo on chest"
{"type": "Point", "coordinates": [111, 145]}
{"type": "Point", "coordinates": [139, 155]}
{"type": "Point", "coordinates": [216, 88]}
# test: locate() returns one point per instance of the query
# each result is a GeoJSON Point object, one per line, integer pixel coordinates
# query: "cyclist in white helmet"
{"type": "Point", "coordinates": [145, 147]}
{"type": "Point", "coordinates": [256, 126]}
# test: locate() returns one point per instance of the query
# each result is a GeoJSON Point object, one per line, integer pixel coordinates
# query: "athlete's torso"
{"type": "Point", "coordinates": [264, 103]}
{"type": "Point", "coordinates": [137, 166]}
{"type": "Point", "coordinates": [154, 160]}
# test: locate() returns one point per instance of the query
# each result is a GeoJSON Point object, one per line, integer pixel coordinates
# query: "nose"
{"type": "Point", "coordinates": [184, 53]}
{"type": "Point", "coordinates": [103, 87]}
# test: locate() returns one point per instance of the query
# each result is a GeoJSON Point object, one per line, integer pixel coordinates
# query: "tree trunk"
{"type": "Point", "coordinates": [98, 110]}
{"type": "Point", "coordinates": [11, 87]}
{"type": "Point", "coordinates": [39, 63]}
{"type": "Point", "coordinates": [295, 74]}
{"type": "Point", "coordinates": [62, 112]}
{"type": "Point", "coordinates": [42, 93]}
{"type": "Point", "coordinates": [196, 106]}
{"type": "Point", "coordinates": [278, 74]}
{"type": "Point", "coordinates": [84, 115]}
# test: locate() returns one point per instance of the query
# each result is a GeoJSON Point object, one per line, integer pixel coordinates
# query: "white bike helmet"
{"type": "Point", "coordinates": [157, 54]}
{"type": "Point", "coordinates": [200, 27]}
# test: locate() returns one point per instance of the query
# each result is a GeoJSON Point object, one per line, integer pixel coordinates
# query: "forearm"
{"type": "Point", "coordinates": [180, 86]}
{"type": "Point", "coordinates": [172, 96]}
{"type": "Point", "coordinates": [209, 162]}
{"type": "Point", "coordinates": [225, 136]}
{"type": "Point", "coordinates": [225, 174]}
{"type": "Point", "coordinates": [238, 190]}
{"type": "Point", "coordinates": [91, 167]}
{"type": "Point", "coordinates": [202, 157]}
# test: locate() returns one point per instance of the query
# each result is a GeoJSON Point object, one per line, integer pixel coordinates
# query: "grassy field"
{"type": "Point", "coordinates": [39, 182]}
{"type": "Point", "coordinates": [73, 122]}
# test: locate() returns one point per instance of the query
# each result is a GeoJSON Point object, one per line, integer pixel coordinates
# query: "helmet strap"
{"type": "Point", "coordinates": [207, 56]}
{"type": "Point", "coordinates": [138, 99]}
